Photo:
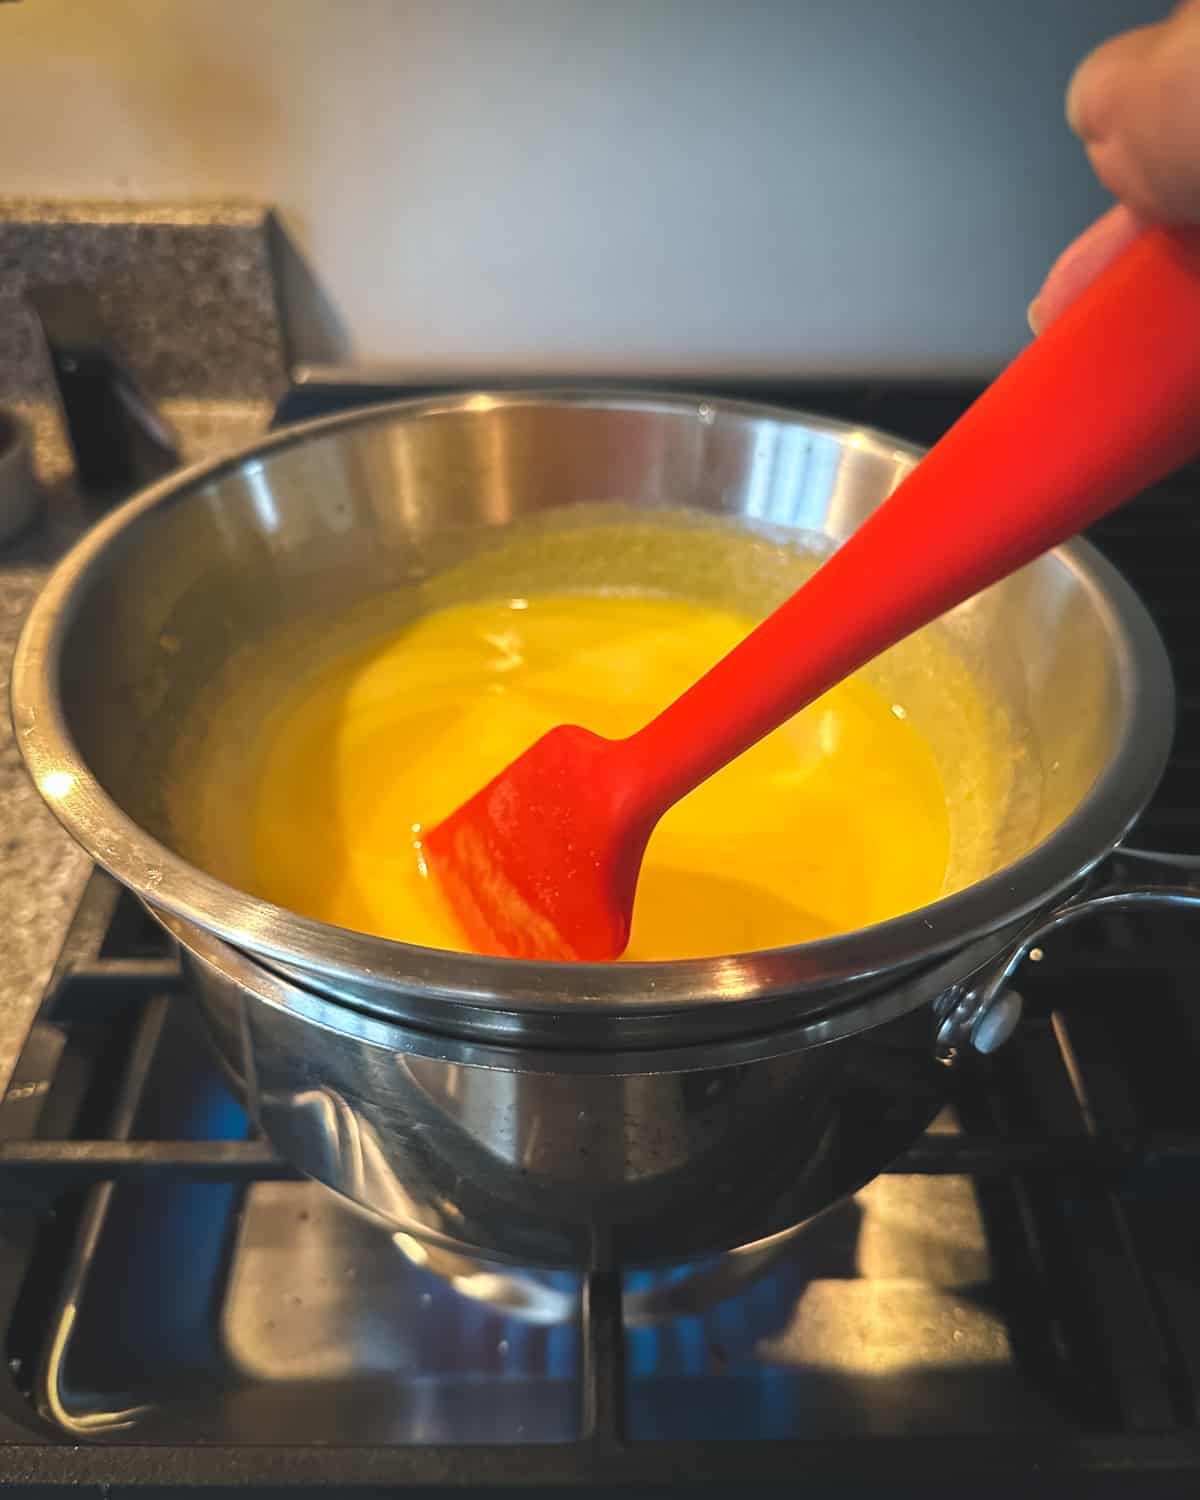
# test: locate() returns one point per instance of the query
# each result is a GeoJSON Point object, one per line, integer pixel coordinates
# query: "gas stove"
{"type": "Point", "coordinates": [1015, 1303]}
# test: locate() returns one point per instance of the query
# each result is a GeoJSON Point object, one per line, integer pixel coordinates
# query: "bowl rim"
{"type": "Point", "coordinates": [629, 1003]}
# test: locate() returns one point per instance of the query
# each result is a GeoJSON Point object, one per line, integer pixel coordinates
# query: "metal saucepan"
{"type": "Point", "coordinates": [560, 1114]}
{"type": "Point", "coordinates": [594, 1159]}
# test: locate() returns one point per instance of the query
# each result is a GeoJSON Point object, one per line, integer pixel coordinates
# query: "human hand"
{"type": "Point", "coordinates": [1135, 104]}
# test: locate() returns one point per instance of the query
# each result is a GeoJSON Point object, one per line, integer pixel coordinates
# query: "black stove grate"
{"type": "Point", "coordinates": [1082, 1137]}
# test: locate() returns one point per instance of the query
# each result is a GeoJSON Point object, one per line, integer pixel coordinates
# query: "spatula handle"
{"type": "Point", "coordinates": [1104, 403]}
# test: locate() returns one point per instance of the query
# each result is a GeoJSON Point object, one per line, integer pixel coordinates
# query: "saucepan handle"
{"type": "Point", "coordinates": [982, 1011]}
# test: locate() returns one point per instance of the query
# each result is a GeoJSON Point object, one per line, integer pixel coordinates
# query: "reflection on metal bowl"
{"type": "Point", "coordinates": [565, 1159]}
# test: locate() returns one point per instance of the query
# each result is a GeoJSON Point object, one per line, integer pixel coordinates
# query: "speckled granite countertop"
{"type": "Point", "coordinates": [188, 295]}
{"type": "Point", "coordinates": [42, 871]}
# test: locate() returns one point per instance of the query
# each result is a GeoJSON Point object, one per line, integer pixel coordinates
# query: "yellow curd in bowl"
{"type": "Point", "coordinates": [836, 821]}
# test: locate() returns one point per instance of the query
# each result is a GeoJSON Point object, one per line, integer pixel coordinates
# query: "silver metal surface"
{"type": "Point", "coordinates": [883, 1316]}
{"type": "Point", "coordinates": [312, 1328]}
{"type": "Point", "coordinates": [978, 1015]}
{"type": "Point", "coordinates": [609, 1158]}
{"type": "Point", "coordinates": [369, 505]}
{"type": "Point", "coordinates": [983, 1010]}
{"type": "Point", "coordinates": [516, 1294]}
{"type": "Point", "coordinates": [998, 1022]}
{"type": "Point", "coordinates": [526, 1296]}
{"type": "Point", "coordinates": [567, 1158]}
{"type": "Point", "coordinates": [1167, 897]}
{"type": "Point", "coordinates": [530, 1298]}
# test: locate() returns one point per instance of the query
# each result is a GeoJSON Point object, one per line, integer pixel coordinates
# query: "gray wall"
{"type": "Point", "coordinates": [597, 185]}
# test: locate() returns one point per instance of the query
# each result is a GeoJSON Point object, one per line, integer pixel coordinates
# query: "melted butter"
{"type": "Point", "coordinates": [835, 821]}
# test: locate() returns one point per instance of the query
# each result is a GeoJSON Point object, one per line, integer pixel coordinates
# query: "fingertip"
{"type": "Point", "coordinates": [1072, 103]}
{"type": "Point", "coordinates": [1090, 91]}
{"type": "Point", "coordinates": [1081, 262]}
{"type": "Point", "coordinates": [1097, 90]}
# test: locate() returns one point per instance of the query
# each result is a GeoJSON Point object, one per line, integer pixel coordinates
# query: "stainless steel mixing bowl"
{"type": "Point", "coordinates": [218, 560]}
{"type": "Point", "coordinates": [559, 1113]}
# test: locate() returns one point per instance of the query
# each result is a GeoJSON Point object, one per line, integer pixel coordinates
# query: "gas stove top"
{"type": "Point", "coordinates": [1016, 1303]}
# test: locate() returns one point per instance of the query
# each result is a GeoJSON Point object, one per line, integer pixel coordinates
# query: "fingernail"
{"type": "Point", "coordinates": [1032, 318]}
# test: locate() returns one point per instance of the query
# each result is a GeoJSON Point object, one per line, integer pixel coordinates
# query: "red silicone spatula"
{"type": "Point", "coordinates": [544, 861]}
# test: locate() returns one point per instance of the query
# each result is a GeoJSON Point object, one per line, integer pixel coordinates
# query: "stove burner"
{"type": "Point", "coordinates": [528, 1296]}
{"type": "Point", "coordinates": [517, 1294]}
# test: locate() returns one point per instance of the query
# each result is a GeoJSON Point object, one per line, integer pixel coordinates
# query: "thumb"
{"type": "Point", "coordinates": [1135, 102]}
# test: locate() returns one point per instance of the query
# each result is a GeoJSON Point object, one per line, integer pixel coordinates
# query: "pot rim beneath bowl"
{"type": "Point", "coordinates": [792, 1033]}
{"type": "Point", "coordinates": [627, 1004]}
